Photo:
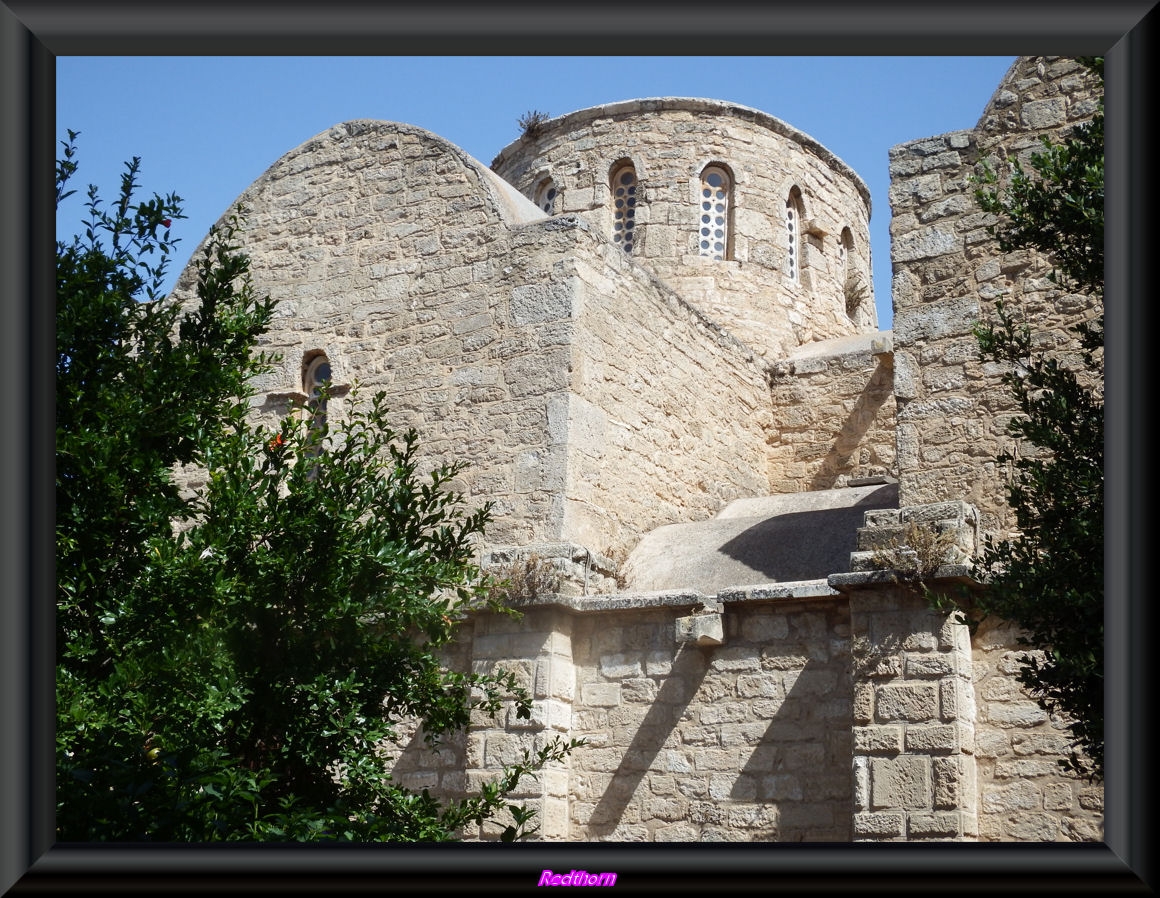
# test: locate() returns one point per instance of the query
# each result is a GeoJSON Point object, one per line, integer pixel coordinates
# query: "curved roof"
{"type": "Point", "coordinates": [786, 538]}
{"type": "Point", "coordinates": [512, 206]}
{"type": "Point", "coordinates": [692, 104]}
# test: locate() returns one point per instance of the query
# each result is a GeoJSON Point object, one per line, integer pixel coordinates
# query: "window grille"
{"type": "Point", "coordinates": [713, 239]}
{"type": "Point", "coordinates": [624, 195]}
{"type": "Point", "coordinates": [546, 195]}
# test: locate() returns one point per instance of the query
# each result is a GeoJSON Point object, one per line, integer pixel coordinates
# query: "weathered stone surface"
{"type": "Point", "coordinates": [912, 702]}
{"type": "Point", "coordinates": [902, 782]}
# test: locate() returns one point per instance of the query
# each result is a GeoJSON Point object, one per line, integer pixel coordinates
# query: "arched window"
{"type": "Point", "coordinates": [713, 233]}
{"type": "Point", "coordinates": [845, 245]}
{"type": "Point", "coordinates": [546, 195]}
{"type": "Point", "coordinates": [850, 288]}
{"type": "Point", "coordinates": [624, 195]}
{"type": "Point", "coordinates": [793, 235]}
{"type": "Point", "coordinates": [316, 374]}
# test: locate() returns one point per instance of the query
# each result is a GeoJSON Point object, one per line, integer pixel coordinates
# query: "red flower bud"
{"type": "Point", "coordinates": [167, 221]}
{"type": "Point", "coordinates": [276, 443]}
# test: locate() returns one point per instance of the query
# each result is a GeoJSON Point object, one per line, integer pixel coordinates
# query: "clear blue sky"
{"type": "Point", "coordinates": [205, 127]}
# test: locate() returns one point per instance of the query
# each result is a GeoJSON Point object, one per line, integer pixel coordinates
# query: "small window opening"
{"type": "Point", "coordinates": [318, 375]}
{"type": "Point", "coordinates": [851, 289]}
{"type": "Point", "coordinates": [546, 195]}
{"type": "Point", "coordinates": [713, 233]}
{"type": "Point", "coordinates": [793, 235]}
{"type": "Point", "coordinates": [624, 196]}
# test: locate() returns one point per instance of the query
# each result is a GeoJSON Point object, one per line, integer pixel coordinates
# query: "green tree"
{"type": "Point", "coordinates": [229, 664]}
{"type": "Point", "coordinates": [1049, 579]}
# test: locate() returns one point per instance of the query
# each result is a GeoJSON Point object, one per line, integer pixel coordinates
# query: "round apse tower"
{"type": "Point", "coordinates": [752, 221]}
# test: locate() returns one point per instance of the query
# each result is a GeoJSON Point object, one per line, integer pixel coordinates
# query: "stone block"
{"type": "Point", "coordinates": [910, 702]}
{"type": "Point", "coordinates": [939, 738]}
{"type": "Point", "coordinates": [903, 782]}
{"type": "Point", "coordinates": [938, 825]}
{"type": "Point", "coordinates": [701, 629]}
{"type": "Point", "coordinates": [619, 666]}
{"type": "Point", "coordinates": [1015, 714]}
{"type": "Point", "coordinates": [601, 695]}
{"type": "Point", "coordinates": [1019, 796]}
{"type": "Point", "coordinates": [878, 739]}
{"type": "Point", "coordinates": [879, 826]}
{"type": "Point", "coordinates": [954, 782]}
{"type": "Point", "coordinates": [1032, 828]}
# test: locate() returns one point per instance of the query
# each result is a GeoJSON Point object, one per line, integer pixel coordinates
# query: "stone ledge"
{"type": "Point", "coordinates": [773, 592]}
{"type": "Point", "coordinates": [687, 598]}
{"type": "Point", "coordinates": [945, 575]}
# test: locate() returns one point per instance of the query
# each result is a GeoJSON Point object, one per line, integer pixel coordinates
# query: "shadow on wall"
{"type": "Point", "coordinates": [656, 730]}
{"type": "Point", "coordinates": [747, 741]}
{"type": "Point", "coordinates": [800, 770]}
{"type": "Point", "coordinates": [438, 766]}
{"type": "Point", "coordinates": [805, 545]}
{"type": "Point", "coordinates": [838, 459]}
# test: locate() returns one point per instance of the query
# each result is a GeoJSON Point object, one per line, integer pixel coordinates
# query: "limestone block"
{"type": "Point", "coordinates": [1058, 797]}
{"type": "Point", "coordinates": [903, 782]}
{"type": "Point", "coordinates": [879, 826]}
{"type": "Point", "coordinates": [503, 749]}
{"type": "Point", "coordinates": [861, 774]}
{"type": "Point", "coordinates": [1032, 828]}
{"type": "Point", "coordinates": [1025, 768]}
{"type": "Point", "coordinates": [1081, 830]}
{"type": "Point", "coordinates": [954, 782]}
{"type": "Point", "coordinates": [911, 702]}
{"type": "Point", "coordinates": [924, 244]}
{"type": "Point", "coordinates": [878, 739]}
{"type": "Point", "coordinates": [944, 824]}
{"type": "Point", "coordinates": [1015, 714]}
{"type": "Point", "coordinates": [619, 666]}
{"type": "Point", "coordinates": [957, 699]}
{"type": "Point", "coordinates": [932, 665]}
{"type": "Point", "coordinates": [1019, 796]}
{"type": "Point", "coordinates": [1039, 114]}
{"type": "Point", "coordinates": [601, 695]}
{"type": "Point", "coordinates": [764, 685]}
{"type": "Point", "coordinates": [701, 629]}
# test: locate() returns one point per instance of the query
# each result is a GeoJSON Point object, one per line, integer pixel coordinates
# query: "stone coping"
{"type": "Point", "coordinates": [943, 575]}
{"type": "Point", "coordinates": [687, 598]}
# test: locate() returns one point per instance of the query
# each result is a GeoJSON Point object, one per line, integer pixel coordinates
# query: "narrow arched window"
{"type": "Point", "coordinates": [793, 235]}
{"type": "Point", "coordinates": [845, 245]}
{"type": "Point", "coordinates": [624, 195]}
{"type": "Point", "coordinates": [713, 232]}
{"type": "Point", "coordinates": [850, 287]}
{"type": "Point", "coordinates": [317, 375]}
{"type": "Point", "coordinates": [546, 195]}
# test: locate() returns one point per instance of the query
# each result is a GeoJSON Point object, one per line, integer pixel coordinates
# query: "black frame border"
{"type": "Point", "coordinates": [34, 32]}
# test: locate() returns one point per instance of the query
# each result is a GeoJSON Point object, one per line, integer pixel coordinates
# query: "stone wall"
{"type": "Point", "coordinates": [402, 259]}
{"type": "Point", "coordinates": [589, 402]}
{"type": "Point", "coordinates": [1023, 796]}
{"type": "Point", "coordinates": [744, 738]}
{"type": "Point", "coordinates": [953, 411]}
{"type": "Point", "coordinates": [786, 712]}
{"type": "Point", "coordinates": [948, 273]}
{"type": "Point", "coordinates": [914, 716]}
{"type": "Point", "coordinates": [670, 141]}
{"type": "Point", "coordinates": [668, 414]}
{"type": "Point", "coordinates": [833, 414]}
{"type": "Point", "coordinates": [748, 740]}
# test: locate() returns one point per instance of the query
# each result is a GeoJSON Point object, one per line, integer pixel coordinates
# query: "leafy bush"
{"type": "Point", "coordinates": [230, 665]}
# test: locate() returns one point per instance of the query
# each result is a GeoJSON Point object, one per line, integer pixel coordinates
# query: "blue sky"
{"type": "Point", "coordinates": [205, 127]}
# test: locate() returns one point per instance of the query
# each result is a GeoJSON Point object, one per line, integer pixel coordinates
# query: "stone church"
{"type": "Point", "coordinates": [649, 330]}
